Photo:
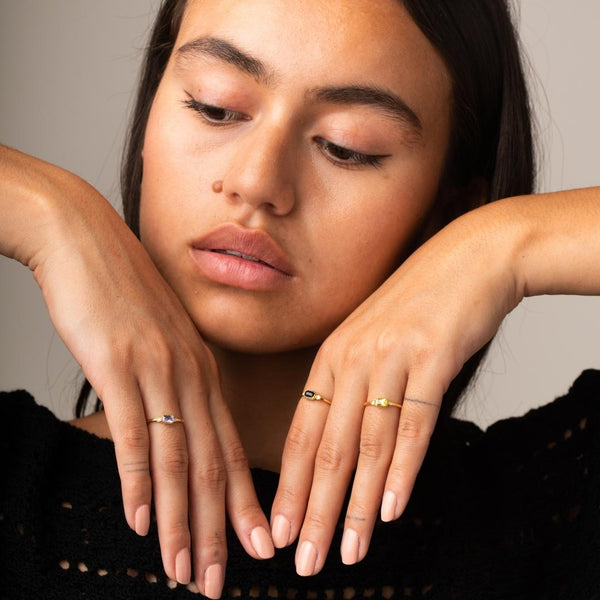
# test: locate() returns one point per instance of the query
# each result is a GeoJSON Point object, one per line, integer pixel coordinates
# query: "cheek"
{"type": "Point", "coordinates": [176, 181]}
{"type": "Point", "coordinates": [371, 231]}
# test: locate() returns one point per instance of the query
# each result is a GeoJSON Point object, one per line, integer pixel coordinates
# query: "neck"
{"type": "Point", "coordinates": [262, 392]}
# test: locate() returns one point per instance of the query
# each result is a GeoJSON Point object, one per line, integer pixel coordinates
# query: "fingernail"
{"type": "Point", "coordinates": [281, 531]}
{"type": "Point", "coordinates": [261, 542]}
{"type": "Point", "coordinates": [142, 519]}
{"type": "Point", "coordinates": [183, 566]}
{"type": "Point", "coordinates": [306, 559]}
{"type": "Point", "coordinates": [213, 581]}
{"type": "Point", "coordinates": [349, 547]}
{"type": "Point", "coordinates": [388, 507]}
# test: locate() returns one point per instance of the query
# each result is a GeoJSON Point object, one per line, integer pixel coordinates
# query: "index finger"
{"type": "Point", "coordinates": [298, 460]}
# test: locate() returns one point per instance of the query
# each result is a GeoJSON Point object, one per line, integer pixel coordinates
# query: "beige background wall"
{"type": "Point", "coordinates": [67, 69]}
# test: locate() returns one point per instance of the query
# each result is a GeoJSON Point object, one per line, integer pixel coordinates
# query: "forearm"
{"type": "Point", "coordinates": [551, 241]}
{"type": "Point", "coordinates": [559, 251]}
{"type": "Point", "coordinates": [43, 206]}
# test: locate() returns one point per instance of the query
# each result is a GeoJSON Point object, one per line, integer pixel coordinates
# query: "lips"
{"type": "Point", "coordinates": [240, 257]}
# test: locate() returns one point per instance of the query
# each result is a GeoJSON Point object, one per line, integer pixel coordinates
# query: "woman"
{"type": "Point", "coordinates": [247, 156]}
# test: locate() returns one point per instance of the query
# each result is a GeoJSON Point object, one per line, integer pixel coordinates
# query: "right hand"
{"type": "Point", "coordinates": [144, 357]}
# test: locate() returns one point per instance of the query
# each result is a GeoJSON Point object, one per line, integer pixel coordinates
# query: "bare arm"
{"type": "Point", "coordinates": [144, 357]}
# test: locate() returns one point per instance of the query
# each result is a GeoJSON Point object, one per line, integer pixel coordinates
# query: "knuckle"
{"type": "Point", "coordinates": [248, 512]}
{"type": "Point", "coordinates": [298, 441]}
{"type": "Point", "coordinates": [329, 457]}
{"type": "Point", "coordinates": [135, 439]}
{"type": "Point", "coordinates": [174, 461]}
{"type": "Point", "coordinates": [398, 475]}
{"type": "Point", "coordinates": [423, 354]}
{"type": "Point", "coordinates": [357, 512]}
{"type": "Point", "coordinates": [414, 430]}
{"type": "Point", "coordinates": [354, 355]}
{"type": "Point", "coordinates": [178, 527]}
{"type": "Point", "coordinates": [328, 347]}
{"type": "Point", "coordinates": [235, 458]}
{"type": "Point", "coordinates": [316, 521]}
{"type": "Point", "coordinates": [213, 547]}
{"type": "Point", "coordinates": [211, 475]}
{"type": "Point", "coordinates": [286, 496]}
{"type": "Point", "coordinates": [386, 343]}
{"type": "Point", "coordinates": [371, 447]}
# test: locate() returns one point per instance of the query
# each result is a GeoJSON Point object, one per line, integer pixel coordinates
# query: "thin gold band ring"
{"type": "Point", "coordinates": [166, 419]}
{"type": "Point", "coordinates": [383, 403]}
{"type": "Point", "coordinates": [310, 395]}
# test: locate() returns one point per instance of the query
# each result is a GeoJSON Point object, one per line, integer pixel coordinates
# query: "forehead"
{"type": "Point", "coordinates": [338, 42]}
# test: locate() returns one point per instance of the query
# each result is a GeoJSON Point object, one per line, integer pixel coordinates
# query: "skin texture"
{"type": "Point", "coordinates": [276, 178]}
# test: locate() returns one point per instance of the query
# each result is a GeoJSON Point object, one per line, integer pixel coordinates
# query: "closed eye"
{"type": "Point", "coordinates": [214, 115]}
{"type": "Point", "coordinates": [347, 158]}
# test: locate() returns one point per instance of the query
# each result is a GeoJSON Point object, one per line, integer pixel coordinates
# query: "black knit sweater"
{"type": "Point", "coordinates": [506, 514]}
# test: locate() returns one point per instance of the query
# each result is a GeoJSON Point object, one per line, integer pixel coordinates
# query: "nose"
{"type": "Point", "coordinates": [262, 171]}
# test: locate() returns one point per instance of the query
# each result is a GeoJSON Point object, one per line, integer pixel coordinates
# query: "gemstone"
{"type": "Point", "coordinates": [168, 419]}
{"type": "Point", "coordinates": [309, 394]}
{"type": "Point", "coordinates": [380, 402]}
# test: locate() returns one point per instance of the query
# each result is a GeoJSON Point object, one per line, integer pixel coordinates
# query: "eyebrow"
{"type": "Point", "coordinates": [383, 100]}
{"type": "Point", "coordinates": [225, 51]}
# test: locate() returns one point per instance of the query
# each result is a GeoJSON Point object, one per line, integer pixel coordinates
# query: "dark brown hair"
{"type": "Point", "coordinates": [491, 138]}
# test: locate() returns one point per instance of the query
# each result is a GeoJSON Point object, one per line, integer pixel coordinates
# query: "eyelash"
{"type": "Point", "coordinates": [204, 110]}
{"type": "Point", "coordinates": [349, 159]}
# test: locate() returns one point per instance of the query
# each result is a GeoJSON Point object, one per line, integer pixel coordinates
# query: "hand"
{"type": "Point", "coordinates": [405, 343]}
{"type": "Point", "coordinates": [144, 357]}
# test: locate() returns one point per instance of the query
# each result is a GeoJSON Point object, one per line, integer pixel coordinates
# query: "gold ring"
{"type": "Point", "coordinates": [382, 403]}
{"type": "Point", "coordinates": [310, 395]}
{"type": "Point", "coordinates": [166, 419]}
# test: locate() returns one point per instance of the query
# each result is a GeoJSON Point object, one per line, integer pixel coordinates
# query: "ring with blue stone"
{"type": "Point", "coordinates": [166, 419]}
{"type": "Point", "coordinates": [310, 395]}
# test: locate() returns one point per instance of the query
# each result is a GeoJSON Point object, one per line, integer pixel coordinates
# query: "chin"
{"type": "Point", "coordinates": [267, 338]}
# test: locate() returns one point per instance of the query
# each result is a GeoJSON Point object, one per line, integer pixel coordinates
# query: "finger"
{"type": "Point", "coordinates": [169, 468]}
{"type": "Point", "coordinates": [421, 407]}
{"type": "Point", "coordinates": [207, 483]}
{"type": "Point", "coordinates": [126, 420]}
{"type": "Point", "coordinates": [335, 460]}
{"type": "Point", "coordinates": [246, 515]}
{"type": "Point", "coordinates": [169, 471]}
{"type": "Point", "coordinates": [377, 441]}
{"type": "Point", "coordinates": [298, 459]}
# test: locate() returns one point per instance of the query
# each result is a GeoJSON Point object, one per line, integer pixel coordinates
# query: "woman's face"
{"type": "Point", "coordinates": [292, 151]}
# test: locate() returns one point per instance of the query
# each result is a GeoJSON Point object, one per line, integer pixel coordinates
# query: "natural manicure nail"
{"type": "Point", "coordinates": [389, 507]}
{"type": "Point", "coordinates": [183, 566]}
{"type": "Point", "coordinates": [281, 532]}
{"type": "Point", "coordinates": [213, 581]}
{"type": "Point", "coordinates": [350, 547]}
{"type": "Point", "coordinates": [261, 542]}
{"type": "Point", "coordinates": [306, 559]}
{"type": "Point", "coordinates": [142, 519]}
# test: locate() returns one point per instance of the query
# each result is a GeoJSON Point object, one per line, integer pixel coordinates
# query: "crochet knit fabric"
{"type": "Point", "coordinates": [507, 514]}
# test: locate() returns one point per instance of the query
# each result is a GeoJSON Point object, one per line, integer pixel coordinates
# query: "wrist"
{"type": "Point", "coordinates": [495, 239]}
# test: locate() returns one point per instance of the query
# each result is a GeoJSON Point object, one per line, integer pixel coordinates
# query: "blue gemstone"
{"type": "Point", "coordinates": [309, 394]}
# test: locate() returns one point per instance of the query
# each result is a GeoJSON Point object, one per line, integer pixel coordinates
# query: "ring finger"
{"type": "Point", "coordinates": [377, 439]}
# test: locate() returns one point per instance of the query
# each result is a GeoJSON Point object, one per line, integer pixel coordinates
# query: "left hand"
{"type": "Point", "coordinates": [405, 343]}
